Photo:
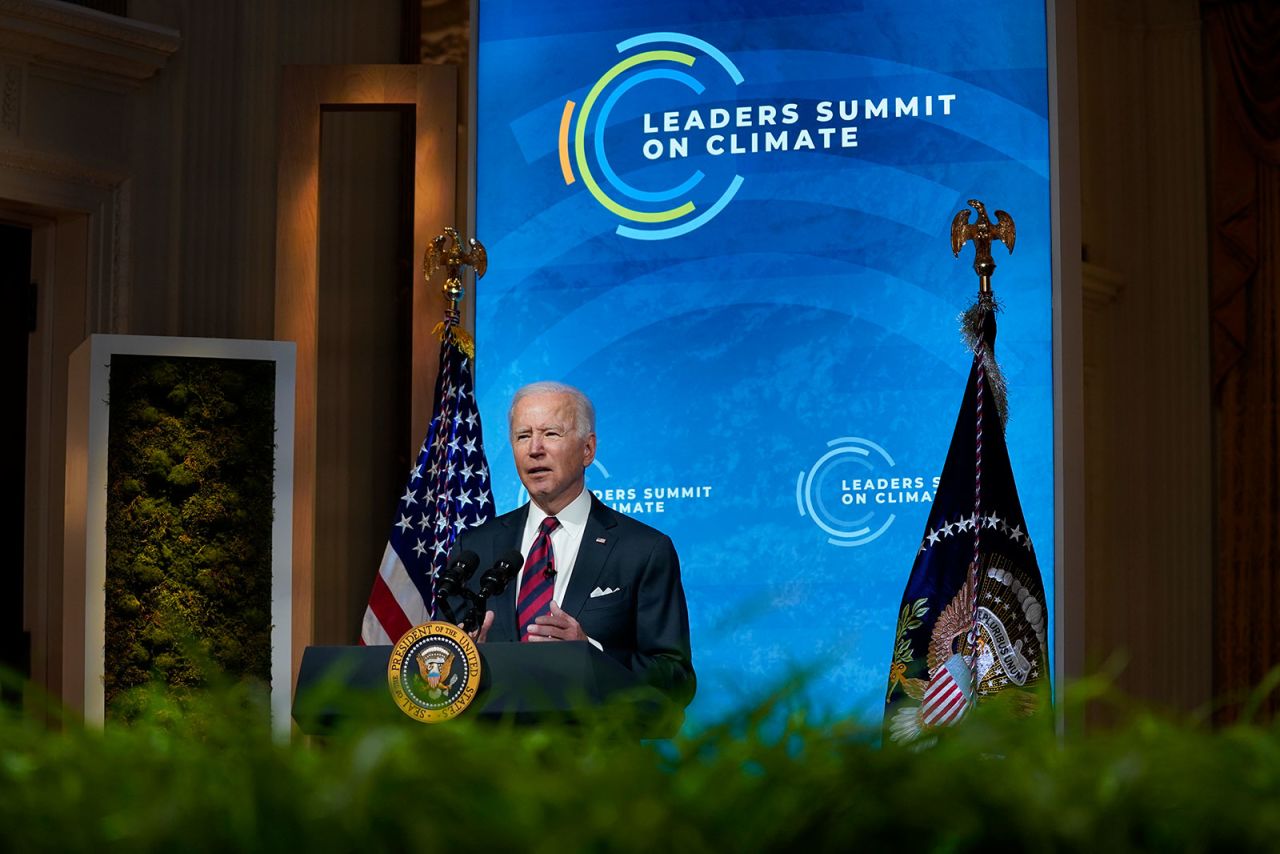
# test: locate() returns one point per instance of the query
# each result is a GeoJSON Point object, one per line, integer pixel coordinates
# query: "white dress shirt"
{"type": "Point", "coordinates": [565, 542]}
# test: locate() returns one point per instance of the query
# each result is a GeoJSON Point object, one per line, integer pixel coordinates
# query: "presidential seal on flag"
{"type": "Point", "coordinates": [434, 672]}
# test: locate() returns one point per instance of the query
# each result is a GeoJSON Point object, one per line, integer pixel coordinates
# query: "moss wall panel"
{"type": "Point", "coordinates": [189, 522]}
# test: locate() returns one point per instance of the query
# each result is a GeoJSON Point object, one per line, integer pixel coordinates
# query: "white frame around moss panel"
{"type": "Point", "coordinates": [85, 534]}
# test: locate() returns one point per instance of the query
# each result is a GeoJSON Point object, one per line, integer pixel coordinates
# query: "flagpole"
{"type": "Point", "coordinates": [981, 233]}
{"type": "Point", "coordinates": [448, 488]}
{"type": "Point", "coordinates": [451, 259]}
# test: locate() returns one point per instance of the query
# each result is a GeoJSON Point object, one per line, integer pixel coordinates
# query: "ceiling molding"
{"type": "Point", "coordinates": [101, 49]}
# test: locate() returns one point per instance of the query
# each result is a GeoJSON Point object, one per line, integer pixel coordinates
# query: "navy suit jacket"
{"type": "Point", "coordinates": [644, 625]}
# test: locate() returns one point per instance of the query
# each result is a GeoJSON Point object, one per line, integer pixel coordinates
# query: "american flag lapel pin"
{"type": "Point", "coordinates": [600, 540]}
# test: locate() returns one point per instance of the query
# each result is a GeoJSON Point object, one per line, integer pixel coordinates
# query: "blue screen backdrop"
{"type": "Point", "coordinates": [729, 224]}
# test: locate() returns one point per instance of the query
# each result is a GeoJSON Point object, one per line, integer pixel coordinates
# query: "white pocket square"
{"type": "Point", "coordinates": [604, 591]}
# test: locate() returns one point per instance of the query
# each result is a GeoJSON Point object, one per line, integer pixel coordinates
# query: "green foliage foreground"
{"type": "Point", "coordinates": [212, 778]}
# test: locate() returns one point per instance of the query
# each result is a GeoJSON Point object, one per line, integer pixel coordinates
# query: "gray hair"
{"type": "Point", "coordinates": [584, 413]}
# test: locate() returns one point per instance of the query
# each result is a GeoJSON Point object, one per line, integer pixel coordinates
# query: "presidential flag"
{"type": "Point", "coordinates": [972, 621]}
{"type": "Point", "coordinates": [448, 492]}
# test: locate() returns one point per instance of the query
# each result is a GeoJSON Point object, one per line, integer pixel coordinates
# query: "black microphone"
{"type": "Point", "coordinates": [454, 577]}
{"type": "Point", "coordinates": [497, 577]}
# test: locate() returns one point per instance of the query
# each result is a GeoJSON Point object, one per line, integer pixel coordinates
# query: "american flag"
{"type": "Point", "coordinates": [448, 492]}
{"type": "Point", "coordinates": [949, 693]}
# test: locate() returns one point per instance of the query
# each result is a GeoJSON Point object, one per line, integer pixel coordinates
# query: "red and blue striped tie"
{"type": "Point", "coordinates": [538, 582]}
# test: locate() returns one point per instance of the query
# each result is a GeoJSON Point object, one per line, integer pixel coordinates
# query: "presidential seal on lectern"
{"type": "Point", "coordinates": [434, 672]}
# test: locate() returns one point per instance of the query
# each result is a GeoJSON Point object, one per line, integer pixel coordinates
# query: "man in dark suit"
{"type": "Point", "coordinates": [590, 573]}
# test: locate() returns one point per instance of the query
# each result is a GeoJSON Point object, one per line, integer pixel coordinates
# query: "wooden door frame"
{"type": "Point", "coordinates": [429, 94]}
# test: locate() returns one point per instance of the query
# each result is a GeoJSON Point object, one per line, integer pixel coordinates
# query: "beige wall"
{"type": "Point", "coordinates": [204, 152]}
{"type": "Point", "coordinates": [1148, 601]}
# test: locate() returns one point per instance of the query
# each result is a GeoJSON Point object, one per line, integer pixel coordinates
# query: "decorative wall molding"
{"type": "Point", "coordinates": [113, 311]}
{"type": "Point", "coordinates": [108, 50]}
{"type": "Point", "coordinates": [59, 167]}
{"type": "Point", "coordinates": [13, 84]}
{"type": "Point", "coordinates": [56, 184]}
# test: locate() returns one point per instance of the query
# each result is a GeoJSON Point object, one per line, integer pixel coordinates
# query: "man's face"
{"type": "Point", "coordinates": [550, 456]}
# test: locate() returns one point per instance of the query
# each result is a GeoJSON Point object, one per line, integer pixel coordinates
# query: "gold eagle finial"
{"type": "Point", "coordinates": [448, 252]}
{"type": "Point", "coordinates": [981, 233]}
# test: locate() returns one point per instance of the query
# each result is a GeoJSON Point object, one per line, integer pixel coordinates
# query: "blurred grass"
{"type": "Point", "coordinates": [202, 772]}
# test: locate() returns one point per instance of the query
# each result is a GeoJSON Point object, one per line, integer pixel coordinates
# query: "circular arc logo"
{"type": "Point", "coordinates": [846, 523]}
{"type": "Point", "coordinates": [672, 216]}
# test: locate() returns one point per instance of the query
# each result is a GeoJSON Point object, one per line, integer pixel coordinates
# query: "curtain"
{"type": "Point", "coordinates": [1244, 55]}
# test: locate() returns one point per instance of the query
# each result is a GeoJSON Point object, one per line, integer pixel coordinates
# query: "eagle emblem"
{"type": "Point", "coordinates": [434, 672]}
{"type": "Point", "coordinates": [981, 233]}
{"type": "Point", "coordinates": [1007, 652]}
{"type": "Point", "coordinates": [441, 255]}
{"type": "Point", "coordinates": [948, 692]}
{"type": "Point", "coordinates": [435, 665]}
